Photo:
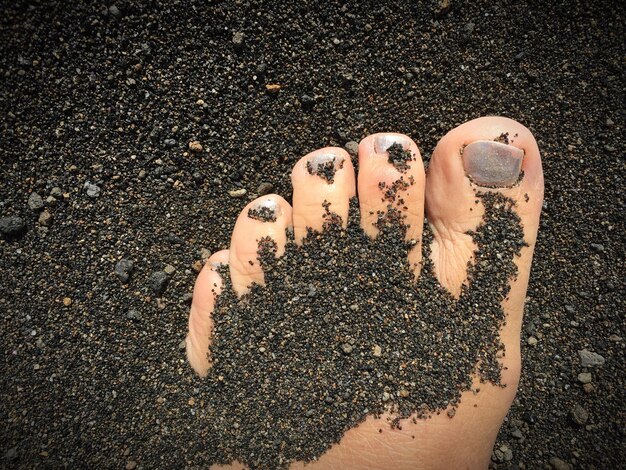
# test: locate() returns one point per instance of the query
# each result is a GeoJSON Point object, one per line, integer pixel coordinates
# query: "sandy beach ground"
{"type": "Point", "coordinates": [137, 131]}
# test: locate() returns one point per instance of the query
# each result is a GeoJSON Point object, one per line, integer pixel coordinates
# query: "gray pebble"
{"type": "Point", "coordinates": [307, 101]}
{"type": "Point", "coordinates": [51, 201]}
{"type": "Point", "coordinates": [187, 298]}
{"type": "Point", "coordinates": [169, 142]}
{"type": "Point", "coordinates": [590, 359]}
{"type": "Point", "coordinates": [56, 192]}
{"type": "Point", "coordinates": [238, 39]}
{"type": "Point", "coordinates": [93, 191]}
{"type": "Point", "coordinates": [352, 148]}
{"type": "Point", "coordinates": [114, 10]}
{"type": "Point", "coordinates": [584, 377]}
{"type": "Point", "coordinates": [579, 415]}
{"type": "Point", "coordinates": [517, 434]}
{"type": "Point", "coordinates": [346, 348]}
{"type": "Point", "coordinates": [45, 219]}
{"type": "Point", "coordinates": [312, 290]}
{"type": "Point", "coordinates": [123, 269]}
{"type": "Point", "coordinates": [597, 247]}
{"type": "Point", "coordinates": [133, 315]}
{"type": "Point", "coordinates": [169, 269]}
{"type": "Point", "coordinates": [158, 282]}
{"type": "Point", "coordinates": [12, 226]}
{"type": "Point", "coordinates": [35, 202]}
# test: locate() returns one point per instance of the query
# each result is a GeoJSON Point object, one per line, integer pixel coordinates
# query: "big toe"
{"type": "Point", "coordinates": [493, 156]}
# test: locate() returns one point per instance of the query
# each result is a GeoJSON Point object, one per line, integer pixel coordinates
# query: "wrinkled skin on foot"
{"type": "Point", "coordinates": [490, 154]}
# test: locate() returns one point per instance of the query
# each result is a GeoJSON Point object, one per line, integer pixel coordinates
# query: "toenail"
{"type": "Point", "coordinates": [265, 210]}
{"type": "Point", "coordinates": [325, 165]}
{"type": "Point", "coordinates": [492, 164]}
{"type": "Point", "coordinates": [383, 142]}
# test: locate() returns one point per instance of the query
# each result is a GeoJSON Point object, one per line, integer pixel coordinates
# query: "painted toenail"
{"type": "Point", "coordinates": [266, 210]}
{"type": "Point", "coordinates": [492, 164]}
{"type": "Point", "coordinates": [325, 165]}
{"type": "Point", "coordinates": [383, 142]}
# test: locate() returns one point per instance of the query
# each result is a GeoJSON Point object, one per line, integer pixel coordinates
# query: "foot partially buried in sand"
{"type": "Point", "coordinates": [345, 333]}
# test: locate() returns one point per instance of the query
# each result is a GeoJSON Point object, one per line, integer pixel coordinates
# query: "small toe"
{"type": "Point", "coordinates": [265, 217]}
{"type": "Point", "coordinates": [208, 286]}
{"type": "Point", "coordinates": [323, 184]}
{"type": "Point", "coordinates": [391, 176]}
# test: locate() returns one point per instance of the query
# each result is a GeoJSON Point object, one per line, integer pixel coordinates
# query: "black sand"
{"type": "Point", "coordinates": [342, 331]}
{"type": "Point", "coordinates": [92, 372]}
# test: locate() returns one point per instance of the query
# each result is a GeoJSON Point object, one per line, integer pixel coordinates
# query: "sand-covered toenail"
{"type": "Point", "coordinates": [325, 165]}
{"type": "Point", "coordinates": [492, 164]}
{"type": "Point", "coordinates": [383, 142]}
{"type": "Point", "coordinates": [265, 210]}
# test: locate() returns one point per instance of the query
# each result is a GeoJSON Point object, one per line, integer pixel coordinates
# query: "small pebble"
{"type": "Point", "coordinates": [67, 301]}
{"type": "Point", "coordinates": [133, 315]}
{"type": "Point", "coordinates": [93, 190]}
{"type": "Point", "coordinates": [123, 270]}
{"type": "Point", "coordinates": [272, 88]}
{"type": "Point", "coordinates": [307, 101]}
{"type": "Point", "coordinates": [579, 415]}
{"type": "Point", "coordinates": [352, 148]}
{"type": "Point", "coordinates": [45, 219]}
{"type": "Point", "coordinates": [584, 377]}
{"type": "Point", "coordinates": [113, 10]}
{"type": "Point", "coordinates": [51, 201]}
{"type": "Point", "coordinates": [346, 348]}
{"type": "Point", "coordinates": [532, 341]}
{"type": "Point", "coordinates": [265, 188]}
{"type": "Point", "coordinates": [590, 359]}
{"type": "Point", "coordinates": [377, 351]}
{"type": "Point", "coordinates": [238, 39]}
{"type": "Point", "coordinates": [237, 193]}
{"type": "Point", "coordinates": [35, 202]}
{"type": "Point", "coordinates": [56, 192]}
{"type": "Point", "coordinates": [158, 282]}
{"type": "Point", "coordinates": [169, 269]}
{"type": "Point", "coordinates": [12, 226]}
{"type": "Point", "coordinates": [195, 146]}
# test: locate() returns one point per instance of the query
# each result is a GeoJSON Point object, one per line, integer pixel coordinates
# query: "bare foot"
{"type": "Point", "coordinates": [490, 155]}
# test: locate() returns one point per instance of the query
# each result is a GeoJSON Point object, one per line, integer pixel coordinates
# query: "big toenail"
{"type": "Point", "coordinates": [492, 164]}
{"type": "Point", "coordinates": [325, 165]}
{"type": "Point", "coordinates": [265, 210]}
{"type": "Point", "coordinates": [383, 142]}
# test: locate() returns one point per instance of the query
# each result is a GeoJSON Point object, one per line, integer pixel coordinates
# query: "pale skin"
{"type": "Point", "coordinates": [445, 195]}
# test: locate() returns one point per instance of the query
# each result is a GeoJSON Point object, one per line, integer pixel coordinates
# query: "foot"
{"type": "Point", "coordinates": [484, 167]}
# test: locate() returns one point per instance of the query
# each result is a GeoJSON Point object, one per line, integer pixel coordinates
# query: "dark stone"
{"type": "Point", "coordinates": [158, 282]}
{"type": "Point", "coordinates": [307, 101]}
{"type": "Point", "coordinates": [12, 226]}
{"type": "Point", "coordinates": [265, 188]}
{"type": "Point", "coordinates": [123, 270]}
